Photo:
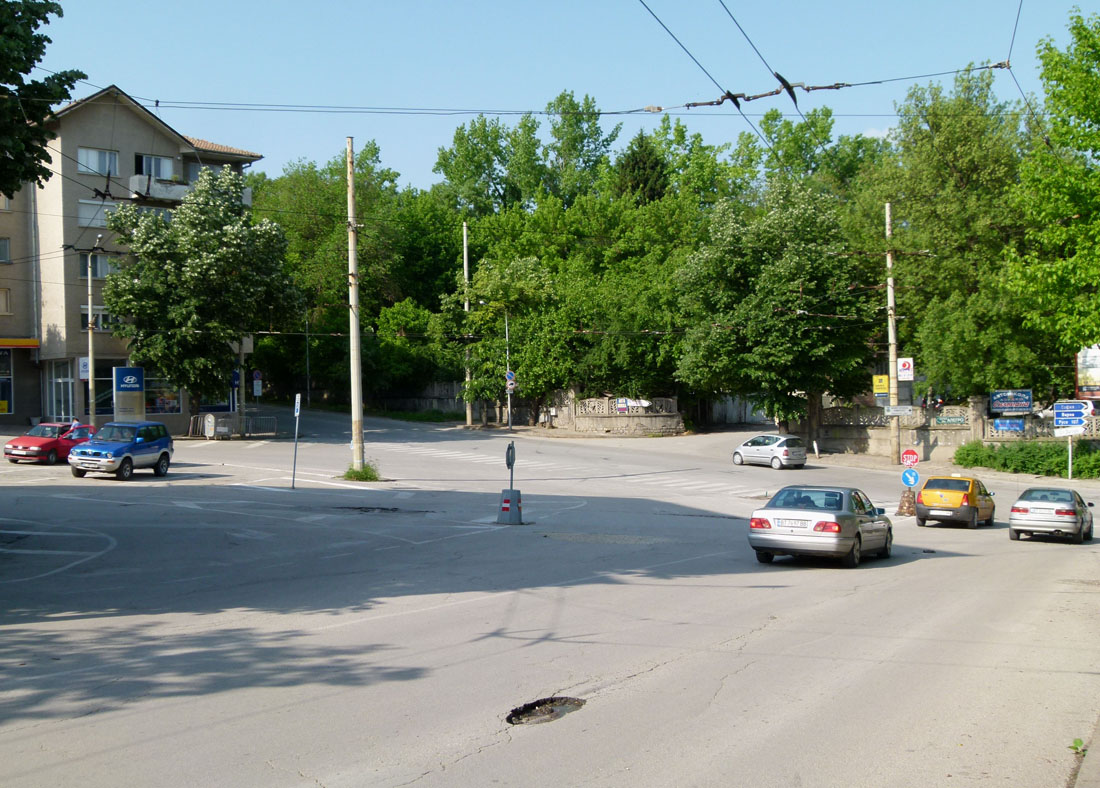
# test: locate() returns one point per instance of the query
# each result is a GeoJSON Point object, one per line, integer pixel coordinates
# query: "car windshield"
{"type": "Point", "coordinates": [113, 432]}
{"type": "Point", "coordinates": [798, 498]}
{"type": "Point", "coordinates": [44, 431]}
{"type": "Point", "coordinates": [1054, 496]}
{"type": "Point", "coordinates": [962, 485]}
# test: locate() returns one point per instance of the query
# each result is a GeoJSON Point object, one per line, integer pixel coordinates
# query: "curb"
{"type": "Point", "coordinates": [1088, 774]}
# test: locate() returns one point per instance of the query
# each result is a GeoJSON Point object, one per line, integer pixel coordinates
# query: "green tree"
{"type": "Point", "coordinates": [641, 171]}
{"type": "Point", "coordinates": [194, 284]}
{"type": "Point", "coordinates": [1057, 277]}
{"type": "Point", "coordinates": [578, 146]}
{"type": "Point", "coordinates": [26, 104]}
{"type": "Point", "coordinates": [955, 160]}
{"type": "Point", "coordinates": [774, 307]}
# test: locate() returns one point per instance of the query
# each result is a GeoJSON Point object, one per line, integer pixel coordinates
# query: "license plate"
{"type": "Point", "coordinates": [20, 452]}
{"type": "Point", "coordinates": [91, 465]}
{"type": "Point", "coordinates": [791, 523]}
{"type": "Point", "coordinates": [940, 512]}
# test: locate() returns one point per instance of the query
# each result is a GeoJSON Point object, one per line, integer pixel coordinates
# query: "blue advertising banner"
{"type": "Point", "coordinates": [1010, 400]}
{"type": "Point", "coordinates": [1008, 425]}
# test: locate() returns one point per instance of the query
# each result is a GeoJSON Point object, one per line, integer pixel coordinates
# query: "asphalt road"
{"type": "Point", "coordinates": [217, 627]}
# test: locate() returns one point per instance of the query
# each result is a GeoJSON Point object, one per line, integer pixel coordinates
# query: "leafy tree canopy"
{"type": "Point", "coordinates": [196, 281]}
{"type": "Point", "coordinates": [25, 104]}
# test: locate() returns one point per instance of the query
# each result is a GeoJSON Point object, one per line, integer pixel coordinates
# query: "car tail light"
{"type": "Point", "coordinates": [1066, 512]}
{"type": "Point", "coordinates": [1019, 510]}
{"type": "Point", "coordinates": [920, 497]}
{"type": "Point", "coordinates": [786, 453]}
{"type": "Point", "coordinates": [759, 522]}
{"type": "Point", "coordinates": [827, 527]}
{"type": "Point", "coordinates": [965, 500]}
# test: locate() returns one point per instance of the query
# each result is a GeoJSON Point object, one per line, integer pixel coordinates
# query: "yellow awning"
{"type": "Point", "coordinates": [17, 342]}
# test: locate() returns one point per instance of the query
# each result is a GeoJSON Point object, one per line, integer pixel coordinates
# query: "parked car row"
{"type": "Point", "coordinates": [118, 447]}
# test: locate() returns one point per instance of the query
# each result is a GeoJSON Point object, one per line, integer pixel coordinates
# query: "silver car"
{"type": "Point", "coordinates": [1053, 511]}
{"type": "Point", "coordinates": [778, 451]}
{"type": "Point", "coordinates": [836, 522]}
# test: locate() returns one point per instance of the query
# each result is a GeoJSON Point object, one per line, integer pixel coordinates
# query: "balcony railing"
{"type": "Point", "coordinates": [152, 188]}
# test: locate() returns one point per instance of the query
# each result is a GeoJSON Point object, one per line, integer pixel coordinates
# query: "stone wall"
{"type": "Point", "coordinates": [630, 424]}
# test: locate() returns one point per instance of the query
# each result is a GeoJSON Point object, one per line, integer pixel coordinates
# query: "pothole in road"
{"type": "Point", "coordinates": [543, 710]}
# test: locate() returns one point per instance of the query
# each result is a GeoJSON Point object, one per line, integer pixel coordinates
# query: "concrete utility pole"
{"type": "Point", "coordinates": [353, 303]}
{"type": "Point", "coordinates": [892, 333]}
{"type": "Point", "coordinates": [466, 279]}
{"type": "Point", "coordinates": [508, 367]}
{"type": "Point", "coordinates": [91, 338]}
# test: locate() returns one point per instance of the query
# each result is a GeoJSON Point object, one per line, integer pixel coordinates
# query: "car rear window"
{"type": "Point", "coordinates": [962, 485]}
{"type": "Point", "coordinates": [795, 443]}
{"type": "Point", "coordinates": [1054, 496]}
{"type": "Point", "coordinates": [796, 498]}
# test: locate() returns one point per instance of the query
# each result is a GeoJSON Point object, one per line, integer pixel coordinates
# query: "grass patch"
{"type": "Point", "coordinates": [368, 473]}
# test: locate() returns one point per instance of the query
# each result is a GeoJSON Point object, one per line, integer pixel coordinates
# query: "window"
{"type": "Point", "coordinates": [102, 264]}
{"type": "Point", "coordinates": [93, 213]}
{"type": "Point", "coordinates": [5, 203]}
{"type": "Point", "coordinates": [160, 397]}
{"type": "Point", "coordinates": [194, 168]}
{"type": "Point", "coordinates": [157, 166]}
{"type": "Point", "coordinates": [6, 405]}
{"type": "Point", "coordinates": [97, 162]}
{"type": "Point", "coordinates": [5, 301]}
{"type": "Point", "coordinates": [60, 393]}
{"type": "Point", "coordinates": [5, 250]}
{"type": "Point", "coordinates": [104, 321]}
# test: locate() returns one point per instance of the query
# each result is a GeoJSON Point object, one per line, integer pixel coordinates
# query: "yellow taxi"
{"type": "Point", "coordinates": [954, 499]}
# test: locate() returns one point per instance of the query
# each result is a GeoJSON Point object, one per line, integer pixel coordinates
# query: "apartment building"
{"type": "Point", "coordinates": [55, 251]}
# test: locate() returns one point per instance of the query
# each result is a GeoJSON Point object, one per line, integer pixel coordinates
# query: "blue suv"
{"type": "Point", "coordinates": [121, 446]}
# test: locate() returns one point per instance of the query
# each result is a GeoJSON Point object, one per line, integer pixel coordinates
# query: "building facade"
{"type": "Point", "coordinates": [55, 251]}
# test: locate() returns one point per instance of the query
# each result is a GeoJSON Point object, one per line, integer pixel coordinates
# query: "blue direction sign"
{"type": "Point", "coordinates": [1071, 413]}
{"type": "Point", "coordinates": [910, 478]}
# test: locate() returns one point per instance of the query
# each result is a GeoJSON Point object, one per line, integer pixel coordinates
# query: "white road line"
{"type": "Point", "coordinates": [46, 552]}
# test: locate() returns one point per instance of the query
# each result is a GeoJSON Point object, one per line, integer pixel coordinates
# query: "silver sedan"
{"type": "Point", "coordinates": [1053, 511]}
{"type": "Point", "coordinates": [836, 522]}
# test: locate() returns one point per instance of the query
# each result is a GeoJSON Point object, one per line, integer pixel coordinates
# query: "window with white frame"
{"type": "Point", "coordinates": [104, 320]}
{"type": "Point", "coordinates": [96, 161]}
{"type": "Point", "coordinates": [5, 250]}
{"type": "Point", "coordinates": [5, 202]}
{"type": "Point", "coordinates": [5, 301]}
{"type": "Point", "coordinates": [93, 213]}
{"type": "Point", "coordinates": [102, 264]}
{"type": "Point", "coordinates": [157, 166]}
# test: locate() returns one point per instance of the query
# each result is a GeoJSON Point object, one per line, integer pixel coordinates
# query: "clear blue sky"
{"type": "Point", "coordinates": [517, 55]}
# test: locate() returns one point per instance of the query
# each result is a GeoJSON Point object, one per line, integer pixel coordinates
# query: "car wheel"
{"type": "Point", "coordinates": [851, 561]}
{"type": "Point", "coordinates": [973, 521]}
{"type": "Point", "coordinates": [161, 468]}
{"type": "Point", "coordinates": [922, 522]}
{"type": "Point", "coordinates": [13, 461]}
{"type": "Point", "coordinates": [51, 458]}
{"type": "Point", "coordinates": [888, 548]}
{"type": "Point", "coordinates": [737, 458]}
{"type": "Point", "coordinates": [1088, 534]}
{"type": "Point", "coordinates": [126, 470]}
{"type": "Point", "coordinates": [77, 472]}
{"type": "Point", "coordinates": [1013, 534]}
{"type": "Point", "coordinates": [992, 514]}
{"type": "Point", "coordinates": [777, 463]}
{"type": "Point", "coordinates": [1078, 536]}
{"type": "Point", "coordinates": [763, 557]}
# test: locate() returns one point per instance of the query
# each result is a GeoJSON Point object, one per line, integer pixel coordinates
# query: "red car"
{"type": "Point", "coordinates": [47, 442]}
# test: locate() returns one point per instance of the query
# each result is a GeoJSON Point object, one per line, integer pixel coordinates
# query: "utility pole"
{"type": "Point", "coordinates": [892, 333]}
{"type": "Point", "coordinates": [466, 279]}
{"type": "Point", "coordinates": [508, 367]}
{"type": "Point", "coordinates": [353, 303]}
{"type": "Point", "coordinates": [91, 337]}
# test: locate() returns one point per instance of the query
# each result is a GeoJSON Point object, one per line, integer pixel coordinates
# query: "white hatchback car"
{"type": "Point", "coordinates": [778, 451]}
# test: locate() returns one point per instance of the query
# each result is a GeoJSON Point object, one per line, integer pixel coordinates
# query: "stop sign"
{"type": "Point", "coordinates": [909, 458]}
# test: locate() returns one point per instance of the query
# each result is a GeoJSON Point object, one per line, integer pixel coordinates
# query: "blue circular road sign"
{"type": "Point", "coordinates": [910, 477]}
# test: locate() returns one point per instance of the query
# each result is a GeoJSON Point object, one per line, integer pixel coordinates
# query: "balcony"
{"type": "Point", "coordinates": [168, 191]}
